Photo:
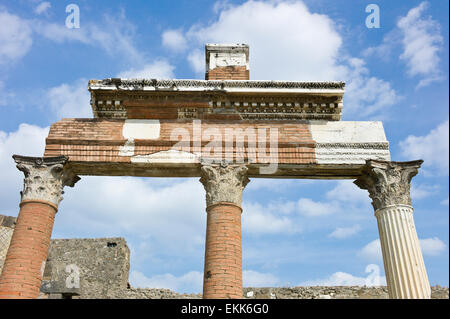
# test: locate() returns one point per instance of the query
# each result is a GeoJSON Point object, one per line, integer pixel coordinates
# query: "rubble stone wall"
{"type": "Point", "coordinates": [104, 263]}
{"type": "Point", "coordinates": [316, 292]}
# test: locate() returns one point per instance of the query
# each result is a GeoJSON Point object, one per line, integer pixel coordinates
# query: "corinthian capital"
{"type": "Point", "coordinates": [388, 183]}
{"type": "Point", "coordinates": [224, 183]}
{"type": "Point", "coordinates": [45, 177]}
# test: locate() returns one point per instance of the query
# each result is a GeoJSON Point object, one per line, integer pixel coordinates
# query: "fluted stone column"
{"type": "Point", "coordinates": [223, 252]}
{"type": "Point", "coordinates": [388, 184]}
{"type": "Point", "coordinates": [24, 265]}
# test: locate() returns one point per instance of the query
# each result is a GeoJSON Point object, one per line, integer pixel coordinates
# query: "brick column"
{"type": "Point", "coordinates": [388, 184]}
{"type": "Point", "coordinates": [25, 261]}
{"type": "Point", "coordinates": [227, 62]}
{"type": "Point", "coordinates": [223, 252]}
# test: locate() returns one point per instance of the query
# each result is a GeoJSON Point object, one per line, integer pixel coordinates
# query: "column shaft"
{"type": "Point", "coordinates": [223, 254]}
{"type": "Point", "coordinates": [27, 253]}
{"type": "Point", "coordinates": [45, 178]}
{"type": "Point", "coordinates": [389, 185]}
{"type": "Point", "coordinates": [404, 266]}
{"type": "Point", "coordinates": [224, 184]}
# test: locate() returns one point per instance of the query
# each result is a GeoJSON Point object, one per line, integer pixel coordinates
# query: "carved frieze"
{"type": "Point", "coordinates": [260, 100]}
{"type": "Point", "coordinates": [224, 183]}
{"type": "Point", "coordinates": [175, 84]}
{"type": "Point", "coordinates": [388, 183]}
{"type": "Point", "coordinates": [45, 177]}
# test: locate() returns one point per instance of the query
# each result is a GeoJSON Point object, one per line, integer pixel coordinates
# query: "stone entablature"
{"type": "Point", "coordinates": [148, 147]}
{"type": "Point", "coordinates": [216, 100]}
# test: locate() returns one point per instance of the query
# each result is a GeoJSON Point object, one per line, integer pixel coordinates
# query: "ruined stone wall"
{"type": "Point", "coordinates": [104, 264]}
{"type": "Point", "coordinates": [7, 224]}
{"type": "Point", "coordinates": [317, 292]}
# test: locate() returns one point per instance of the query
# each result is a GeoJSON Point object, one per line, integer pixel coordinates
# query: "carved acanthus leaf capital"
{"type": "Point", "coordinates": [388, 183]}
{"type": "Point", "coordinates": [224, 183]}
{"type": "Point", "coordinates": [45, 177]}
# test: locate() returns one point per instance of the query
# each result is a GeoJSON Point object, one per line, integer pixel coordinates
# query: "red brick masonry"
{"type": "Point", "coordinates": [223, 252]}
{"type": "Point", "coordinates": [228, 73]}
{"type": "Point", "coordinates": [99, 140]}
{"type": "Point", "coordinates": [27, 253]}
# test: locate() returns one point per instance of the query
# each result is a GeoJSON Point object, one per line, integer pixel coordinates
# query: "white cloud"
{"type": "Point", "coordinates": [42, 7]}
{"type": "Point", "coordinates": [159, 69]}
{"type": "Point", "coordinates": [191, 282]}
{"type": "Point", "coordinates": [59, 33]}
{"type": "Point", "coordinates": [372, 251]}
{"type": "Point", "coordinates": [5, 95]}
{"type": "Point", "coordinates": [70, 100]}
{"type": "Point", "coordinates": [260, 219]}
{"type": "Point", "coordinates": [423, 191]}
{"type": "Point", "coordinates": [252, 278]}
{"type": "Point", "coordinates": [345, 279]}
{"type": "Point", "coordinates": [174, 40]}
{"type": "Point", "coordinates": [345, 232]}
{"type": "Point", "coordinates": [196, 58]}
{"type": "Point", "coordinates": [73, 100]}
{"type": "Point", "coordinates": [347, 191]}
{"type": "Point", "coordinates": [15, 37]}
{"type": "Point", "coordinates": [272, 184]}
{"type": "Point", "coordinates": [432, 148]}
{"type": "Point", "coordinates": [366, 94]}
{"type": "Point", "coordinates": [384, 50]}
{"type": "Point", "coordinates": [445, 202]}
{"type": "Point", "coordinates": [310, 208]}
{"type": "Point", "coordinates": [114, 34]}
{"type": "Point", "coordinates": [28, 140]}
{"type": "Point", "coordinates": [296, 56]}
{"type": "Point", "coordinates": [432, 246]}
{"type": "Point", "coordinates": [422, 42]}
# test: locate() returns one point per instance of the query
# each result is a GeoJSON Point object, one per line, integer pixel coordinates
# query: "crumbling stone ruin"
{"type": "Point", "coordinates": [103, 265]}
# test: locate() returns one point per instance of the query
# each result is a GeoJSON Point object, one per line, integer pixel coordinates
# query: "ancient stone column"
{"type": "Point", "coordinates": [24, 265]}
{"type": "Point", "coordinates": [223, 252]}
{"type": "Point", "coordinates": [388, 184]}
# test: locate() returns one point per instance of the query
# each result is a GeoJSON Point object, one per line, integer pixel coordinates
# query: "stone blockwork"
{"type": "Point", "coordinates": [316, 292]}
{"type": "Point", "coordinates": [103, 266]}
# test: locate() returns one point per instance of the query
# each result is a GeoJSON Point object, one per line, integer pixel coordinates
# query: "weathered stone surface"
{"type": "Point", "coordinates": [224, 183]}
{"type": "Point", "coordinates": [316, 292]}
{"type": "Point", "coordinates": [349, 142]}
{"type": "Point", "coordinates": [45, 177]}
{"type": "Point", "coordinates": [103, 265]}
{"type": "Point", "coordinates": [388, 183]}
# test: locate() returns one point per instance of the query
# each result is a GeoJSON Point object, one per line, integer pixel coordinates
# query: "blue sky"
{"type": "Point", "coordinates": [295, 232]}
